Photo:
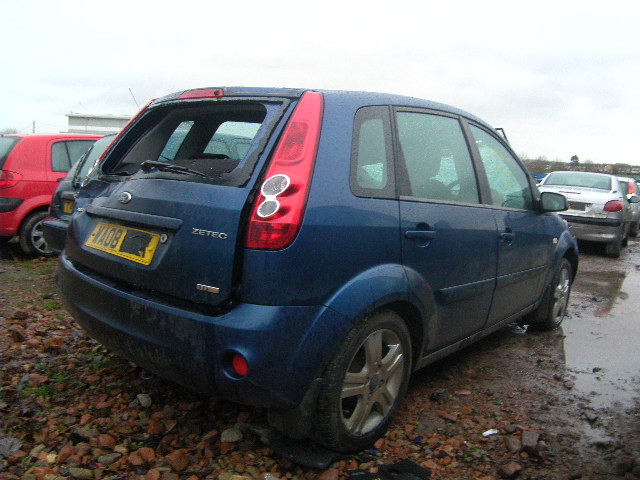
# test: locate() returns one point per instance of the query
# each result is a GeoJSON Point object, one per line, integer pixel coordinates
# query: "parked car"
{"type": "Point", "coordinates": [629, 185]}
{"type": "Point", "coordinates": [55, 225]}
{"type": "Point", "coordinates": [598, 211]}
{"type": "Point", "coordinates": [359, 238]}
{"type": "Point", "coordinates": [30, 168]}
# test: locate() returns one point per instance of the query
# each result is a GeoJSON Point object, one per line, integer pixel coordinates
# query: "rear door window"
{"type": "Point", "coordinates": [64, 154]}
{"type": "Point", "coordinates": [437, 164]}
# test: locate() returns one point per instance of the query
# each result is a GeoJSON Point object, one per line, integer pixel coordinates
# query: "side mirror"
{"type": "Point", "coordinates": [553, 202]}
{"type": "Point", "coordinates": [634, 199]}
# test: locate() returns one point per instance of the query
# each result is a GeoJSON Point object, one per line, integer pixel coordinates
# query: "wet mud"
{"type": "Point", "coordinates": [519, 404]}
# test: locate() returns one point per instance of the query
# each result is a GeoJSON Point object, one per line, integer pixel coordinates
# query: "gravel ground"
{"type": "Point", "coordinates": [507, 407]}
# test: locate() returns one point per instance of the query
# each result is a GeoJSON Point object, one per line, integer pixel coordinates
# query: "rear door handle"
{"type": "Point", "coordinates": [508, 236]}
{"type": "Point", "coordinates": [420, 234]}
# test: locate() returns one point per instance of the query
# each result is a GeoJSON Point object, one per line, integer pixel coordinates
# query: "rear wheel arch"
{"type": "Point", "coordinates": [410, 314]}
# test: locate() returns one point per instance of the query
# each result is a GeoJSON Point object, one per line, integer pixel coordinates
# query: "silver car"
{"type": "Point", "coordinates": [599, 209]}
{"type": "Point", "coordinates": [632, 190]}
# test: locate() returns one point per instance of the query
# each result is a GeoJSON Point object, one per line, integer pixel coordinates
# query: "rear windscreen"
{"type": "Point", "coordinates": [203, 142]}
{"type": "Point", "coordinates": [572, 179]}
{"type": "Point", "coordinates": [6, 145]}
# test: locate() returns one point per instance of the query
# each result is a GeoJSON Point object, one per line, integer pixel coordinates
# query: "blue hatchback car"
{"type": "Point", "coordinates": [358, 237]}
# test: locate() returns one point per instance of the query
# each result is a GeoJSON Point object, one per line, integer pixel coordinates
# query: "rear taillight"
{"type": "Point", "coordinates": [613, 206]}
{"type": "Point", "coordinates": [9, 179]}
{"type": "Point", "coordinates": [279, 208]}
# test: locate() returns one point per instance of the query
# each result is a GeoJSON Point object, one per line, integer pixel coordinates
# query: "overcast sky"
{"type": "Point", "coordinates": [562, 77]}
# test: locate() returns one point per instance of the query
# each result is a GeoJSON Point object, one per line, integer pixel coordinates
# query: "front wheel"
{"type": "Point", "coordinates": [552, 310]}
{"type": "Point", "coordinates": [31, 236]}
{"type": "Point", "coordinates": [364, 384]}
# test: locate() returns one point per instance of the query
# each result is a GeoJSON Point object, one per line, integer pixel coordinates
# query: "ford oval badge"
{"type": "Point", "coordinates": [125, 197]}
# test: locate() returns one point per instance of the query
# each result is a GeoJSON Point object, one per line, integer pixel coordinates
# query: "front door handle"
{"type": "Point", "coordinates": [422, 238]}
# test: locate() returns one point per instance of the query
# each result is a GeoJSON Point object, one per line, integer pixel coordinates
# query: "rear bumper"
{"type": "Point", "coordinates": [55, 233]}
{"type": "Point", "coordinates": [595, 229]}
{"type": "Point", "coordinates": [285, 347]}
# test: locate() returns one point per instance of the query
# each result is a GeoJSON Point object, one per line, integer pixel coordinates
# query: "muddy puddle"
{"type": "Point", "coordinates": [602, 343]}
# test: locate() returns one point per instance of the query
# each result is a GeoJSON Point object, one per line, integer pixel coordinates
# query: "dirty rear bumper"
{"type": "Point", "coordinates": [55, 233]}
{"type": "Point", "coordinates": [193, 349]}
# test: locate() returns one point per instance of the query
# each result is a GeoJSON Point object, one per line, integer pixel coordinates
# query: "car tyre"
{"type": "Point", "coordinates": [553, 308]}
{"type": "Point", "coordinates": [31, 236]}
{"type": "Point", "coordinates": [364, 384]}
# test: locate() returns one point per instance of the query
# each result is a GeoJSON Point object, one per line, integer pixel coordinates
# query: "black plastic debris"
{"type": "Point", "coordinates": [305, 453]}
{"type": "Point", "coordinates": [402, 470]}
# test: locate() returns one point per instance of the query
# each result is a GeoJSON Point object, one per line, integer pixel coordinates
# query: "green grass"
{"type": "Point", "coordinates": [51, 305]}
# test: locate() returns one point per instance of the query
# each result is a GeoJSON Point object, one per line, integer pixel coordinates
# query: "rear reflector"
{"type": "Point", "coordinates": [613, 206]}
{"type": "Point", "coordinates": [278, 210]}
{"type": "Point", "coordinates": [240, 366]}
{"type": "Point", "coordinates": [203, 93]}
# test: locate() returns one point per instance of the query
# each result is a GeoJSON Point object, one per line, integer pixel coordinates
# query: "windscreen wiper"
{"type": "Point", "coordinates": [169, 167]}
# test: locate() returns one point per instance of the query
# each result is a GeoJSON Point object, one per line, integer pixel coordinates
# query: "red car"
{"type": "Point", "coordinates": [30, 168]}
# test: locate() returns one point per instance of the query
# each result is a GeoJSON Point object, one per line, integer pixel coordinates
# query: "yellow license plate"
{"type": "Point", "coordinates": [130, 243]}
{"type": "Point", "coordinates": [67, 206]}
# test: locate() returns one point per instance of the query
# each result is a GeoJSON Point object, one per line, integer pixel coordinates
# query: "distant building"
{"type": "Point", "coordinates": [96, 124]}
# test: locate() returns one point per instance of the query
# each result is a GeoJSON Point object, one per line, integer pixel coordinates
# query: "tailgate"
{"type": "Point", "coordinates": [173, 238]}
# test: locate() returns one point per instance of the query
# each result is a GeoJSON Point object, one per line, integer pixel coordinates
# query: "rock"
{"type": "Point", "coordinates": [509, 470]}
{"type": "Point", "coordinates": [179, 460]}
{"type": "Point", "coordinates": [330, 474]}
{"type": "Point", "coordinates": [231, 435]}
{"type": "Point", "coordinates": [109, 458]}
{"type": "Point", "coordinates": [81, 473]}
{"type": "Point", "coordinates": [35, 451]}
{"type": "Point", "coordinates": [23, 382]}
{"type": "Point", "coordinates": [429, 424]}
{"type": "Point", "coordinates": [253, 471]}
{"type": "Point", "coordinates": [69, 420]}
{"type": "Point", "coordinates": [83, 434]}
{"type": "Point", "coordinates": [510, 429]}
{"type": "Point", "coordinates": [144, 399]}
{"type": "Point", "coordinates": [106, 441]}
{"type": "Point", "coordinates": [20, 315]}
{"type": "Point", "coordinates": [9, 445]}
{"type": "Point", "coordinates": [530, 441]}
{"type": "Point", "coordinates": [513, 444]}
{"type": "Point", "coordinates": [147, 454]}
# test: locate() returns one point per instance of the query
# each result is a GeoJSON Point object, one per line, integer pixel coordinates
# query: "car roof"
{"type": "Point", "coordinates": [49, 136]}
{"type": "Point", "coordinates": [364, 98]}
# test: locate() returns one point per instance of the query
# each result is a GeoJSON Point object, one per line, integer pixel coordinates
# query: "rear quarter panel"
{"type": "Point", "coordinates": [342, 235]}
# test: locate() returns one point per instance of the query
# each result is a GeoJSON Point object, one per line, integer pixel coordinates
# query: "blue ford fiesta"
{"type": "Point", "coordinates": [350, 239]}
